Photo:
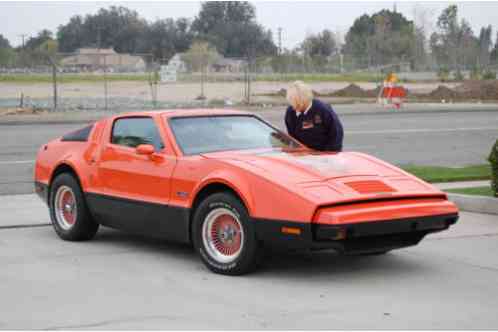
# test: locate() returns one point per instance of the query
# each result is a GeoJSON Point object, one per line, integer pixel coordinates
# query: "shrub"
{"type": "Point", "coordinates": [443, 74]}
{"type": "Point", "coordinates": [458, 75]}
{"type": "Point", "coordinates": [475, 73]}
{"type": "Point", "coordinates": [489, 75]}
{"type": "Point", "coordinates": [493, 159]}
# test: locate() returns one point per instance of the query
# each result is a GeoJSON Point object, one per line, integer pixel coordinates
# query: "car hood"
{"type": "Point", "coordinates": [346, 173]}
{"type": "Point", "coordinates": [309, 166]}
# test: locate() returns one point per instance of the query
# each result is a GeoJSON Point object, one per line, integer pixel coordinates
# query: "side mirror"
{"type": "Point", "coordinates": [145, 149]}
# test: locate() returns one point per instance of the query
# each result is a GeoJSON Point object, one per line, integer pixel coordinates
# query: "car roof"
{"type": "Point", "coordinates": [187, 112]}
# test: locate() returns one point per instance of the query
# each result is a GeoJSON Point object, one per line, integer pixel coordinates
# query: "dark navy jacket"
{"type": "Point", "coordinates": [319, 129]}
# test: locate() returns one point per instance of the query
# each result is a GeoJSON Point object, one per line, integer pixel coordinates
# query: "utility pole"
{"type": "Point", "coordinates": [279, 41]}
{"type": "Point", "coordinates": [105, 81]}
{"type": "Point", "coordinates": [23, 36]}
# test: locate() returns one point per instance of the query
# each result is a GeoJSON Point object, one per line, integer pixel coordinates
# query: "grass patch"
{"type": "Point", "coordinates": [477, 191]}
{"type": "Point", "coordinates": [213, 77]}
{"type": "Point", "coordinates": [70, 78]}
{"type": "Point", "coordinates": [450, 174]}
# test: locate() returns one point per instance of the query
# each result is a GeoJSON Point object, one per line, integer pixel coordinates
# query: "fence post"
{"type": "Point", "coordinates": [105, 81]}
{"type": "Point", "coordinates": [54, 83]}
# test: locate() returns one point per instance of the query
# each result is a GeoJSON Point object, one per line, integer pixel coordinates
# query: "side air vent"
{"type": "Point", "coordinates": [369, 187]}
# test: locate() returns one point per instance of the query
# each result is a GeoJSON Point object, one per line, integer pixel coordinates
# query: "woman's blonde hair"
{"type": "Point", "coordinates": [299, 95]}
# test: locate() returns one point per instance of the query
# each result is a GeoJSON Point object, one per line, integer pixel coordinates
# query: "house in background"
{"type": "Point", "coordinates": [177, 63]}
{"type": "Point", "coordinates": [228, 65]}
{"type": "Point", "coordinates": [91, 59]}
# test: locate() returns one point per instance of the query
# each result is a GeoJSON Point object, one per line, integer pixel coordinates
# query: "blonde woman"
{"type": "Point", "coordinates": [312, 122]}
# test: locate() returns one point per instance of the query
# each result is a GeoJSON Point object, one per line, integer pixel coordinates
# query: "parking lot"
{"type": "Point", "coordinates": [120, 281]}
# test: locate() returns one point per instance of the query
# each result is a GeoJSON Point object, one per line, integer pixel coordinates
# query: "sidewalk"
{"type": "Point", "coordinates": [471, 203]}
{"type": "Point", "coordinates": [463, 184]}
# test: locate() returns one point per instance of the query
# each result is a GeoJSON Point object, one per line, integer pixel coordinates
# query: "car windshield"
{"type": "Point", "coordinates": [204, 134]}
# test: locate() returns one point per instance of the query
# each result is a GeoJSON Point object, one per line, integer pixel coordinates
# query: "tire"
{"type": "Point", "coordinates": [224, 236]}
{"type": "Point", "coordinates": [69, 213]}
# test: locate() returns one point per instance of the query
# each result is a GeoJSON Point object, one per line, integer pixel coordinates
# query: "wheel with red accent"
{"type": "Point", "coordinates": [68, 211]}
{"type": "Point", "coordinates": [224, 235]}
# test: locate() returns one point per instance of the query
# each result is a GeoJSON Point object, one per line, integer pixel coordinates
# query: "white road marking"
{"type": "Point", "coordinates": [403, 131]}
{"type": "Point", "coordinates": [11, 162]}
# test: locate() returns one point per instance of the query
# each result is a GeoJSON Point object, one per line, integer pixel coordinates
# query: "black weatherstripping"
{"type": "Point", "coordinates": [80, 135]}
{"type": "Point", "coordinates": [151, 219]}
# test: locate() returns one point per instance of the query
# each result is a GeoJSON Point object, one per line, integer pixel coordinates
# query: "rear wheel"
{"type": "Point", "coordinates": [224, 235]}
{"type": "Point", "coordinates": [68, 211]}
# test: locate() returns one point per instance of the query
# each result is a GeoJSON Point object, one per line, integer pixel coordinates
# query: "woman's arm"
{"type": "Point", "coordinates": [290, 122]}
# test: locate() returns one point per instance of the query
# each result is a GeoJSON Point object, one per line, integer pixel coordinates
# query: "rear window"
{"type": "Point", "coordinates": [80, 135]}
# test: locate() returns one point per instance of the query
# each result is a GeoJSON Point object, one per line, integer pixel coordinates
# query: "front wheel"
{"type": "Point", "coordinates": [68, 211]}
{"type": "Point", "coordinates": [224, 235]}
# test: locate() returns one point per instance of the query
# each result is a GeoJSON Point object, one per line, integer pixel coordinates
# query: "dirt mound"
{"type": "Point", "coordinates": [354, 91]}
{"type": "Point", "coordinates": [443, 92]}
{"type": "Point", "coordinates": [483, 90]}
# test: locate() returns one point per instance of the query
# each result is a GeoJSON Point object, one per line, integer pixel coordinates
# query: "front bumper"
{"type": "Point", "coordinates": [353, 238]}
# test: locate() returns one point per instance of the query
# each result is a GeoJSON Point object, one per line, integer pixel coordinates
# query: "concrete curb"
{"type": "Point", "coordinates": [477, 204]}
{"type": "Point", "coordinates": [79, 117]}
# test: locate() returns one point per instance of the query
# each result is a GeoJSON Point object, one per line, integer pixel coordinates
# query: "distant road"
{"type": "Point", "coordinates": [429, 138]}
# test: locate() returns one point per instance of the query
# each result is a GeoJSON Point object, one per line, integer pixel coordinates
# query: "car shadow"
{"type": "Point", "coordinates": [289, 264]}
{"type": "Point", "coordinates": [317, 264]}
{"type": "Point", "coordinates": [129, 241]}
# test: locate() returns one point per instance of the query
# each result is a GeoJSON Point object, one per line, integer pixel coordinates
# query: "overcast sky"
{"type": "Point", "coordinates": [297, 18]}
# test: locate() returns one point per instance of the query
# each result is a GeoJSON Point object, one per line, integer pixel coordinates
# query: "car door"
{"type": "Point", "coordinates": [135, 188]}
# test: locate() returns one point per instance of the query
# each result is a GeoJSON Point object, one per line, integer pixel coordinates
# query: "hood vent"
{"type": "Point", "coordinates": [369, 187]}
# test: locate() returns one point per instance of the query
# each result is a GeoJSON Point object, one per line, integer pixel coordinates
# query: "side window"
{"type": "Point", "coordinates": [135, 131]}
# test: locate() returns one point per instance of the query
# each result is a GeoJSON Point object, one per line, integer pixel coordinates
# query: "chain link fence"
{"type": "Point", "coordinates": [104, 80]}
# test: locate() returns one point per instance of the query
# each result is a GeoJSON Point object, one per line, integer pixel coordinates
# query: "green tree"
{"type": "Point", "coordinates": [117, 27]}
{"type": "Point", "coordinates": [231, 27]}
{"type": "Point", "coordinates": [322, 44]}
{"type": "Point", "coordinates": [200, 55]}
{"type": "Point", "coordinates": [166, 37]}
{"type": "Point", "coordinates": [4, 42]}
{"type": "Point", "coordinates": [485, 44]}
{"type": "Point", "coordinates": [7, 57]}
{"type": "Point", "coordinates": [454, 44]}
{"type": "Point", "coordinates": [71, 35]}
{"type": "Point", "coordinates": [494, 53]}
{"type": "Point", "coordinates": [34, 43]}
{"type": "Point", "coordinates": [382, 38]}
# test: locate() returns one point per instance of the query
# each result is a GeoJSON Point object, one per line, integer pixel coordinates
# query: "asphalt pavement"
{"type": "Point", "coordinates": [122, 281]}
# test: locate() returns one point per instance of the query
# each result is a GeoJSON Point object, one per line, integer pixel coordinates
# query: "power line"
{"type": "Point", "coordinates": [280, 40]}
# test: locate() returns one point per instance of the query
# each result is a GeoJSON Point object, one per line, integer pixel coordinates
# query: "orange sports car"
{"type": "Point", "coordinates": [231, 184]}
